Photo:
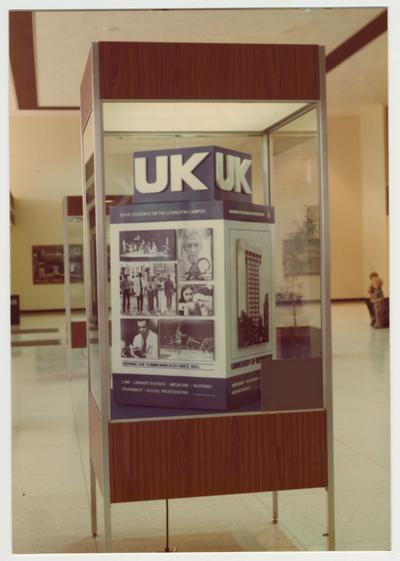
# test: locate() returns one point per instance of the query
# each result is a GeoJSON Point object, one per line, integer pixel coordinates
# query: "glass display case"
{"type": "Point", "coordinates": [206, 270]}
{"type": "Point", "coordinates": [75, 312]}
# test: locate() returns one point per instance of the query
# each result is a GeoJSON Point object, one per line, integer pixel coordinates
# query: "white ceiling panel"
{"type": "Point", "coordinates": [359, 81]}
{"type": "Point", "coordinates": [63, 38]}
{"type": "Point", "coordinates": [188, 117]}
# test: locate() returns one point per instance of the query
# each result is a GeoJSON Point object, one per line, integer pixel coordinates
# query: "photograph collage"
{"type": "Point", "coordinates": [167, 294]}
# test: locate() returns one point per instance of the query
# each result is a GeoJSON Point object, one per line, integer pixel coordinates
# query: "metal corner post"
{"type": "Point", "coordinates": [67, 302]}
{"type": "Point", "coordinates": [326, 298]}
{"type": "Point", "coordinates": [86, 270]}
{"type": "Point", "coordinates": [102, 298]}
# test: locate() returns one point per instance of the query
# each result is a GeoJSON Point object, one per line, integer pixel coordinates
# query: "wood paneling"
{"type": "Point", "coordinates": [22, 58]}
{"type": "Point", "coordinates": [95, 440]}
{"type": "Point", "coordinates": [162, 71]}
{"type": "Point", "coordinates": [357, 41]}
{"type": "Point", "coordinates": [86, 91]}
{"type": "Point", "coordinates": [78, 334]}
{"type": "Point", "coordinates": [74, 205]}
{"type": "Point", "coordinates": [219, 455]}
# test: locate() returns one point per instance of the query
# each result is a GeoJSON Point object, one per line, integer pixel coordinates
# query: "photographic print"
{"type": "Point", "coordinates": [139, 338]}
{"type": "Point", "coordinates": [191, 340]}
{"type": "Point", "coordinates": [148, 289]}
{"type": "Point", "coordinates": [48, 264]}
{"type": "Point", "coordinates": [154, 245]}
{"type": "Point", "coordinates": [196, 300]}
{"type": "Point", "coordinates": [253, 304]}
{"type": "Point", "coordinates": [195, 254]}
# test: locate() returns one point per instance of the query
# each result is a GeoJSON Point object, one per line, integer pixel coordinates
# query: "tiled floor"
{"type": "Point", "coordinates": [51, 475]}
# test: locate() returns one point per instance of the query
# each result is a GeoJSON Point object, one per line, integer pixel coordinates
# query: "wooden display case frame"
{"type": "Point", "coordinates": [218, 454]}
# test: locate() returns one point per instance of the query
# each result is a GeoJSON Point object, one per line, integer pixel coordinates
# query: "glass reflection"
{"type": "Point", "coordinates": [294, 183]}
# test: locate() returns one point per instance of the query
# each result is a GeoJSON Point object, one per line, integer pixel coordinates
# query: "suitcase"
{"type": "Point", "coordinates": [381, 308]}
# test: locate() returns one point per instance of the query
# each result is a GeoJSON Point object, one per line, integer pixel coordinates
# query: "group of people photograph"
{"type": "Point", "coordinates": [148, 289]}
{"type": "Point", "coordinates": [166, 273]}
{"type": "Point", "coordinates": [147, 245]}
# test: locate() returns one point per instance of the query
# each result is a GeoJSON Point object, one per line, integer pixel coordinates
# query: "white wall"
{"type": "Point", "coordinates": [345, 198]}
{"type": "Point", "coordinates": [358, 221]}
{"type": "Point", "coordinates": [373, 175]}
{"type": "Point", "coordinates": [44, 167]}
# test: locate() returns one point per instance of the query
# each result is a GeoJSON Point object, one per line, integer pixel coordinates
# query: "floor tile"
{"type": "Point", "coordinates": [48, 492]}
{"type": "Point", "coordinates": [47, 461]}
{"type": "Point", "coordinates": [58, 531]}
{"type": "Point", "coordinates": [51, 462]}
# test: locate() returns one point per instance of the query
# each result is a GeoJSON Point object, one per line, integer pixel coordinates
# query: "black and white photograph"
{"type": "Point", "coordinates": [148, 289]}
{"type": "Point", "coordinates": [139, 338]}
{"type": "Point", "coordinates": [196, 300]}
{"type": "Point", "coordinates": [154, 245]}
{"type": "Point", "coordinates": [253, 303]}
{"type": "Point", "coordinates": [195, 254]}
{"type": "Point", "coordinates": [191, 340]}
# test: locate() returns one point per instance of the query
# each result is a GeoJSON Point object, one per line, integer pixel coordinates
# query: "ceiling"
{"type": "Point", "coordinates": [62, 40]}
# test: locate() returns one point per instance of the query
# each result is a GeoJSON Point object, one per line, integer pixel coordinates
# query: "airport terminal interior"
{"type": "Point", "coordinates": [51, 474]}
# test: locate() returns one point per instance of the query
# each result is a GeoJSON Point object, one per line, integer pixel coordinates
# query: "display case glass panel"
{"type": "Point", "coordinates": [91, 276]}
{"type": "Point", "coordinates": [208, 363]}
{"type": "Point", "coordinates": [295, 195]}
{"type": "Point", "coordinates": [196, 365]}
{"type": "Point", "coordinates": [75, 312]}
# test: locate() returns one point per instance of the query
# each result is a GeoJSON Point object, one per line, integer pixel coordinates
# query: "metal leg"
{"type": "Point", "coordinates": [166, 526]}
{"type": "Point", "coordinates": [274, 507]}
{"type": "Point", "coordinates": [93, 501]}
{"type": "Point", "coordinates": [107, 527]}
{"type": "Point", "coordinates": [331, 520]}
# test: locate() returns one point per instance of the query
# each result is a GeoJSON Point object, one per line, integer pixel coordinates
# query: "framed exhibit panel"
{"type": "Point", "coordinates": [194, 243]}
{"type": "Point", "coordinates": [47, 264]}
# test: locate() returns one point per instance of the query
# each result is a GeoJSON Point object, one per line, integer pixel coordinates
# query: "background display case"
{"type": "Point", "coordinates": [74, 289]}
{"type": "Point", "coordinates": [263, 101]}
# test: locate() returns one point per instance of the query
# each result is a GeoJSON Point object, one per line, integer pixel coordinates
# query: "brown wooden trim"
{"type": "Point", "coordinates": [347, 300]}
{"type": "Point", "coordinates": [52, 311]}
{"type": "Point", "coordinates": [208, 71]}
{"type": "Point", "coordinates": [95, 440]}
{"type": "Point", "coordinates": [18, 330]}
{"type": "Point", "coordinates": [36, 343]}
{"type": "Point", "coordinates": [86, 91]}
{"type": "Point", "coordinates": [357, 41]}
{"type": "Point", "coordinates": [74, 205]}
{"type": "Point", "coordinates": [219, 455]}
{"type": "Point", "coordinates": [22, 58]}
{"type": "Point", "coordinates": [78, 334]}
{"type": "Point", "coordinates": [44, 310]}
{"type": "Point", "coordinates": [57, 108]}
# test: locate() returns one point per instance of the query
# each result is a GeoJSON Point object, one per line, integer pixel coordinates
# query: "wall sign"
{"type": "Point", "coordinates": [201, 173]}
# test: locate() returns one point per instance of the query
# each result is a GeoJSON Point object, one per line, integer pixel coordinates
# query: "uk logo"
{"type": "Point", "coordinates": [199, 173]}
